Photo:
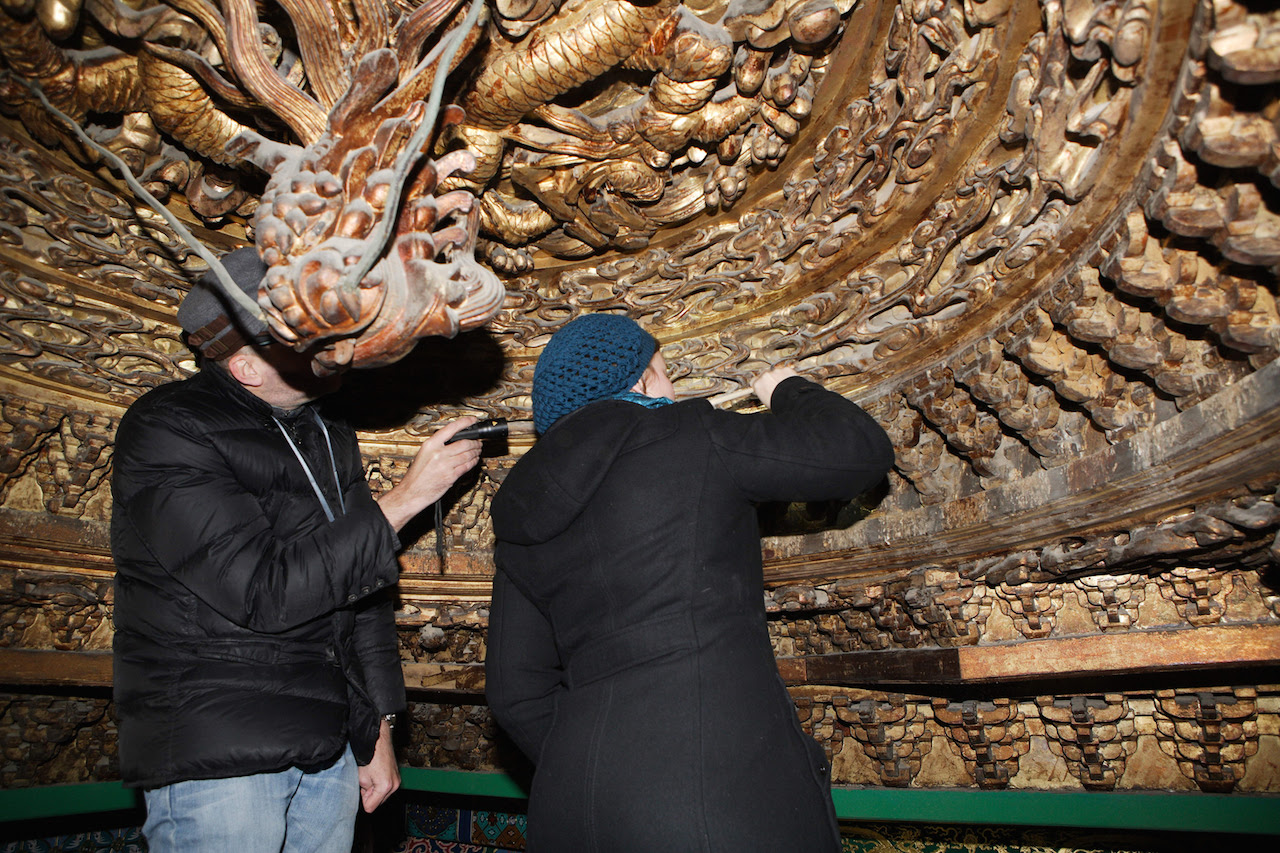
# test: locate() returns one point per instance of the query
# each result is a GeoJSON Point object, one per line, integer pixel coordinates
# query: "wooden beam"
{"type": "Point", "coordinates": [44, 542]}
{"type": "Point", "coordinates": [49, 667]}
{"type": "Point", "coordinates": [462, 678]}
{"type": "Point", "coordinates": [1235, 646]}
{"type": "Point", "coordinates": [1031, 660]}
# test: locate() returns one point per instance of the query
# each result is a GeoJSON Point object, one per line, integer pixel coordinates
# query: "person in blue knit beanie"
{"type": "Point", "coordinates": [594, 357]}
{"type": "Point", "coordinates": [628, 654]}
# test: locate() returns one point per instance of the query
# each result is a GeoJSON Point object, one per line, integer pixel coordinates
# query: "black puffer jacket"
{"type": "Point", "coordinates": [628, 651]}
{"type": "Point", "coordinates": [251, 634]}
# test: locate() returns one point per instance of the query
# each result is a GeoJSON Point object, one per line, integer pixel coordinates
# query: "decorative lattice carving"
{"type": "Point", "coordinates": [991, 736]}
{"type": "Point", "coordinates": [1095, 734]}
{"type": "Point", "coordinates": [54, 611]}
{"type": "Point", "coordinates": [1114, 600]}
{"type": "Point", "coordinates": [50, 740]}
{"type": "Point", "coordinates": [1032, 606]}
{"type": "Point", "coordinates": [1210, 733]}
{"type": "Point", "coordinates": [892, 732]}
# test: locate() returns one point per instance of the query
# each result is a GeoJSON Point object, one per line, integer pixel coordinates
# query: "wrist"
{"type": "Point", "coordinates": [789, 386]}
{"type": "Point", "coordinates": [395, 509]}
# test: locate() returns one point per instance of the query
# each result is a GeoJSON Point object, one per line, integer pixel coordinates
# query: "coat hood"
{"type": "Point", "coordinates": [552, 484]}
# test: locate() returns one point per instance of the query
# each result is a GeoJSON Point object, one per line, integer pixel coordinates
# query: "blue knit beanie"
{"type": "Point", "coordinates": [590, 358]}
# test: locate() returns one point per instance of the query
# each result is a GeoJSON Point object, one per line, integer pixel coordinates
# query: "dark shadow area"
{"type": "Point", "coordinates": [384, 830]}
{"type": "Point", "coordinates": [438, 372]}
{"type": "Point", "coordinates": [1269, 576]}
{"type": "Point", "coordinates": [416, 815]}
{"type": "Point", "coordinates": [34, 830]}
{"type": "Point", "coordinates": [11, 688]}
{"type": "Point", "coordinates": [508, 758]}
{"type": "Point", "coordinates": [790, 519]}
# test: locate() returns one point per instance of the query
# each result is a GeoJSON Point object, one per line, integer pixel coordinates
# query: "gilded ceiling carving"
{"type": "Point", "coordinates": [1031, 316]}
{"type": "Point", "coordinates": [1037, 239]}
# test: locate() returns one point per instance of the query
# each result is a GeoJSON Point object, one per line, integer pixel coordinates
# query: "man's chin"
{"type": "Point", "coordinates": [305, 374]}
{"type": "Point", "coordinates": [318, 385]}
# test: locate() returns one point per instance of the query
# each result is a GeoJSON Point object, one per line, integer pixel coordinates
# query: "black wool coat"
{"type": "Point", "coordinates": [628, 651]}
{"type": "Point", "coordinates": [251, 633]}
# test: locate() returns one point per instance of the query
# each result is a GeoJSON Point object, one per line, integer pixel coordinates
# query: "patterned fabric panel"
{"type": "Point", "coordinates": [478, 830]}
{"type": "Point", "coordinates": [497, 829]}
{"type": "Point", "coordinates": [423, 821]}
{"type": "Point", "coordinates": [434, 845]}
{"type": "Point", "coordinates": [101, 841]}
{"type": "Point", "coordinates": [936, 838]}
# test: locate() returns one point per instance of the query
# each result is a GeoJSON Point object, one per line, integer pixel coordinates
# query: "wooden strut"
{"type": "Point", "coordinates": [728, 397]}
{"type": "Point", "coordinates": [1132, 652]}
{"type": "Point", "coordinates": [1148, 652]}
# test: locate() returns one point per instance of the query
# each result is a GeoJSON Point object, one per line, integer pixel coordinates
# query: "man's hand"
{"type": "Point", "coordinates": [380, 778]}
{"type": "Point", "coordinates": [434, 469]}
{"type": "Point", "coordinates": [764, 384]}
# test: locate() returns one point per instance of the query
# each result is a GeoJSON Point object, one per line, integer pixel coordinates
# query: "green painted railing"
{"type": "Point", "coordinates": [65, 800]}
{"type": "Point", "coordinates": [1133, 810]}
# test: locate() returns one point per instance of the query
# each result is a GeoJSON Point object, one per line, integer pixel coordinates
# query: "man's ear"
{"type": "Point", "coordinates": [244, 368]}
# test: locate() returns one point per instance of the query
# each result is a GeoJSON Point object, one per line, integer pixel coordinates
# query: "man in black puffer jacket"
{"type": "Point", "coordinates": [256, 663]}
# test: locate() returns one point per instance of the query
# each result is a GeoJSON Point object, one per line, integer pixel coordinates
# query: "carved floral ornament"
{"type": "Point", "coordinates": [1035, 239]}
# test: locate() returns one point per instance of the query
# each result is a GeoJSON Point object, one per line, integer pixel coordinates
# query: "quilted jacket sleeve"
{"type": "Point", "coordinates": [182, 509]}
{"type": "Point", "coordinates": [376, 645]}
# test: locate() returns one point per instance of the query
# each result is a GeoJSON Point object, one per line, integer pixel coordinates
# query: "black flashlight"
{"type": "Point", "coordinates": [484, 430]}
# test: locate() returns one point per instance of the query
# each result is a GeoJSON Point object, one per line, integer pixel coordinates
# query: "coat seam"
{"type": "Point", "coordinates": [697, 657]}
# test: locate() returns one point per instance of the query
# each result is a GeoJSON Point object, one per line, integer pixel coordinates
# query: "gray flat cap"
{"type": "Point", "coordinates": [218, 326]}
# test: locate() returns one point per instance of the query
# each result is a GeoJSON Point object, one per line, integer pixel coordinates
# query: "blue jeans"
{"type": "Point", "coordinates": [286, 812]}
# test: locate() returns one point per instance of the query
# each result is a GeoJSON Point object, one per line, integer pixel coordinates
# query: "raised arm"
{"type": "Point", "coordinates": [812, 445]}
{"type": "Point", "coordinates": [434, 469]}
{"type": "Point", "coordinates": [182, 509]}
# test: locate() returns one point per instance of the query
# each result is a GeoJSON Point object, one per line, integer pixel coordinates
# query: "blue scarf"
{"type": "Point", "coordinates": [640, 399]}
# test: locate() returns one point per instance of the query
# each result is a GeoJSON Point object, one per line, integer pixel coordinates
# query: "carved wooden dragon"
{"type": "Point", "coordinates": [348, 269]}
{"type": "Point", "coordinates": [594, 123]}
